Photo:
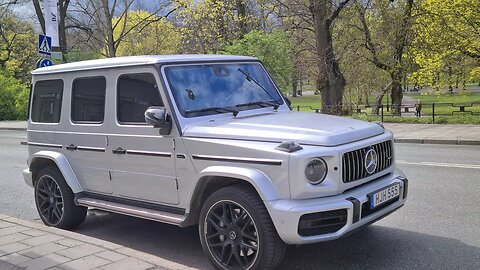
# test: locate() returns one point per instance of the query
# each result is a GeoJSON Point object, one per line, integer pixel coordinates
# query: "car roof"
{"type": "Point", "coordinates": [137, 61]}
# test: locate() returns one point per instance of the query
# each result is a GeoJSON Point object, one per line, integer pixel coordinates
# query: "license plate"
{"type": "Point", "coordinates": [384, 195]}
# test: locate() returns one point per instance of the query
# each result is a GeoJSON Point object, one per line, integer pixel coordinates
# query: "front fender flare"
{"type": "Point", "coordinates": [63, 165]}
{"type": "Point", "coordinates": [259, 180]}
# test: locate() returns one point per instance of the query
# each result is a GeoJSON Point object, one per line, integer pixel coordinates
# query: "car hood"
{"type": "Point", "coordinates": [303, 128]}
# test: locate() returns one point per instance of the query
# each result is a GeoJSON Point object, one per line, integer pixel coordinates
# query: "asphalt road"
{"type": "Point", "coordinates": [438, 228]}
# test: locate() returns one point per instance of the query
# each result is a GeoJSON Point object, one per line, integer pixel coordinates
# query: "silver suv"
{"type": "Point", "coordinates": [207, 140]}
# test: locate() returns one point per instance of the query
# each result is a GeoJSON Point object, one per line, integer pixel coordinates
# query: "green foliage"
{"type": "Point", "coordinates": [21, 103]}
{"type": "Point", "coordinates": [313, 101]}
{"type": "Point", "coordinates": [446, 42]}
{"type": "Point", "coordinates": [13, 97]}
{"type": "Point", "coordinates": [457, 119]}
{"type": "Point", "coordinates": [273, 49]}
{"type": "Point", "coordinates": [457, 97]}
{"type": "Point", "coordinates": [74, 56]}
{"type": "Point", "coordinates": [148, 34]}
{"type": "Point", "coordinates": [208, 25]}
{"type": "Point", "coordinates": [18, 51]}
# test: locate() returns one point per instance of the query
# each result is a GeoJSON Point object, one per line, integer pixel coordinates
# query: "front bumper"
{"type": "Point", "coordinates": [27, 177]}
{"type": "Point", "coordinates": [286, 214]}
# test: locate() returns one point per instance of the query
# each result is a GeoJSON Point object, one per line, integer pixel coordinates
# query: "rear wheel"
{"type": "Point", "coordinates": [54, 200]}
{"type": "Point", "coordinates": [236, 231]}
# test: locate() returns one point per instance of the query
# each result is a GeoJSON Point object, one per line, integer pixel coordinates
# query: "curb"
{"type": "Point", "coordinates": [437, 141]}
{"type": "Point", "coordinates": [156, 261]}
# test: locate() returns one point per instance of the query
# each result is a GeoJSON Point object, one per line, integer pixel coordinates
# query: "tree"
{"type": "Point", "coordinates": [446, 43]}
{"type": "Point", "coordinates": [313, 21]}
{"type": "Point", "coordinates": [273, 49]}
{"type": "Point", "coordinates": [386, 26]}
{"type": "Point", "coordinates": [11, 107]}
{"type": "Point", "coordinates": [17, 46]}
{"type": "Point", "coordinates": [331, 82]}
{"type": "Point", "coordinates": [160, 37]}
{"type": "Point", "coordinates": [210, 25]}
{"type": "Point", "coordinates": [450, 25]}
{"type": "Point", "coordinates": [95, 19]}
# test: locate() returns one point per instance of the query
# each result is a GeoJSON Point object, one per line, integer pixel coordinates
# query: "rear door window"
{"type": "Point", "coordinates": [88, 100]}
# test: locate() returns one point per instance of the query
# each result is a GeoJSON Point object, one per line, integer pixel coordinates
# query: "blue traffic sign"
{"type": "Point", "coordinates": [44, 44]}
{"type": "Point", "coordinates": [44, 62]}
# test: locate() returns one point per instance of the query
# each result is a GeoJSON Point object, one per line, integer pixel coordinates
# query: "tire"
{"type": "Point", "coordinates": [236, 231]}
{"type": "Point", "coordinates": [54, 200]}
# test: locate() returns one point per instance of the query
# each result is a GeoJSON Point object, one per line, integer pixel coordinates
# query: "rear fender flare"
{"type": "Point", "coordinates": [62, 164]}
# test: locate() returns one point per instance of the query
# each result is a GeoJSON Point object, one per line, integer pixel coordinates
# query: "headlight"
{"type": "Point", "coordinates": [316, 171]}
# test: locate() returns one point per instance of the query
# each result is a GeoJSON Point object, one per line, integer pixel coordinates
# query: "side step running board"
{"type": "Point", "coordinates": [155, 215]}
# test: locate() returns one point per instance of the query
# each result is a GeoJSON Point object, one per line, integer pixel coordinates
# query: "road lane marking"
{"type": "Point", "coordinates": [438, 164]}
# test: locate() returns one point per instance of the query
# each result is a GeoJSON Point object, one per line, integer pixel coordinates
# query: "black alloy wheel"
{"type": "Point", "coordinates": [236, 231]}
{"type": "Point", "coordinates": [55, 200]}
{"type": "Point", "coordinates": [231, 235]}
{"type": "Point", "coordinates": [49, 200]}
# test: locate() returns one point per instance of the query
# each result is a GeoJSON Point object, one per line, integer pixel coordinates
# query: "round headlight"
{"type": "Point", "coordinates": [316, 171]}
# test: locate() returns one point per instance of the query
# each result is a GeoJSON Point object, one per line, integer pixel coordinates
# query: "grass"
{"type": "Point", "coordinates": [313, 101]}
{"type": "Point", "coordinates": [446, 104]}
{"type": "Point", "coordinates": [457, 119]}
{"type": "Point", "coordinates": [444, 113]}
{"type": "Point", "coordinates": [447, 98]}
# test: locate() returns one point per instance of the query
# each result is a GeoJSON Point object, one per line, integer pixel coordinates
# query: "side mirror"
{"type": "Point", "coordinates": [157, 117]}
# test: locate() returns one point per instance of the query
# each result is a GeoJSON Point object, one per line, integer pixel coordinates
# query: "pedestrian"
{"type": "Point", "coordinates": [418, 108]}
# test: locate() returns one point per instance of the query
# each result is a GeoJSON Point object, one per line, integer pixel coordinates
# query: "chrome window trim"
{"type": "Point", "coordinates": [261, 161]}
{"type": "Point", "coordinates": [149, 153]}
{"type": "Point", "coordinates": [89, 148]}
{"type": "Point", "coordinates": [44, 144]}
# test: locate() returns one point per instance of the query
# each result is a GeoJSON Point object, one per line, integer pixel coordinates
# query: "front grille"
{"type": "Point", "coordinates": [322, 222]}
{"type": "Point", "coordinates": [354, 161]}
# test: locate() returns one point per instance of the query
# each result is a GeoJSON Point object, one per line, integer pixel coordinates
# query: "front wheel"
{"type": "Point", "coordinates": [236, 231]}
{"type": "Point", "coordinates": [54, 200]}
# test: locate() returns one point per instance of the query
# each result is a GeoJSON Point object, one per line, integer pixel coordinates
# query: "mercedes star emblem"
{"type": "Point", "coordinates": [371, 161]}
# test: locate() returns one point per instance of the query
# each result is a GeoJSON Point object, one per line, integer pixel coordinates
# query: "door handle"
{"type": "Point", "coordinates": [71, 147]}
{"type": "Point", "coordinates": [119, 150]}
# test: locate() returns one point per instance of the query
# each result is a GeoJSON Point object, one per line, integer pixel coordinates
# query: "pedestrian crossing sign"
{"type": "Point", "coordinates": [44, 44]}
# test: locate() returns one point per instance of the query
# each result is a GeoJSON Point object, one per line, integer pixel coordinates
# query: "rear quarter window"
{"type": "Point", "coordinates": [47, 101]}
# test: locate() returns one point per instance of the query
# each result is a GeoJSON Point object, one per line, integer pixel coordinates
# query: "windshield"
{"type": "Point", "coordinates": [205, 89]}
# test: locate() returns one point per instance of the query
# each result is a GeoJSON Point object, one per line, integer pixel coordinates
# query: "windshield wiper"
{"type": "Point", "coordinates": [261, 104]}
{"type": "Point", "coordinates": [250, 79]}
{"type": "Point", "coordinates": [215, 109]}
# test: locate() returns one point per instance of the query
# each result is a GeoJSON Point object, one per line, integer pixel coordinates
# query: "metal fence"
{"type": "Point", "coordinates": [430, 110]}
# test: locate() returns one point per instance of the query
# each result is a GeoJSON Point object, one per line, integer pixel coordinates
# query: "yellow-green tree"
{"type": "Point", "coordinates": [209, 25]}
{"type": "Point", "coordinates": [157, 37]}
{"type": "Point", "coordinates": [17, 47]}
{"type": "Point", "coordinates": [446, 44]}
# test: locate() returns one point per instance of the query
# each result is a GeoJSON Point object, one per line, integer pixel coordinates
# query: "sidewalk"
{"type": "Point", "coordinates": [404, 133]}
{"type": "Point", "coordinates": [28, 245]}
{"type": "Point", "coordinates": [13, 125]}
{"type": "Point", "coordinates": [435, 133]}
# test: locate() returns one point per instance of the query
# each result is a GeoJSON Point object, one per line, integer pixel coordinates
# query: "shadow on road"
{"type": "Point", "coordinates": [376, 247]}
